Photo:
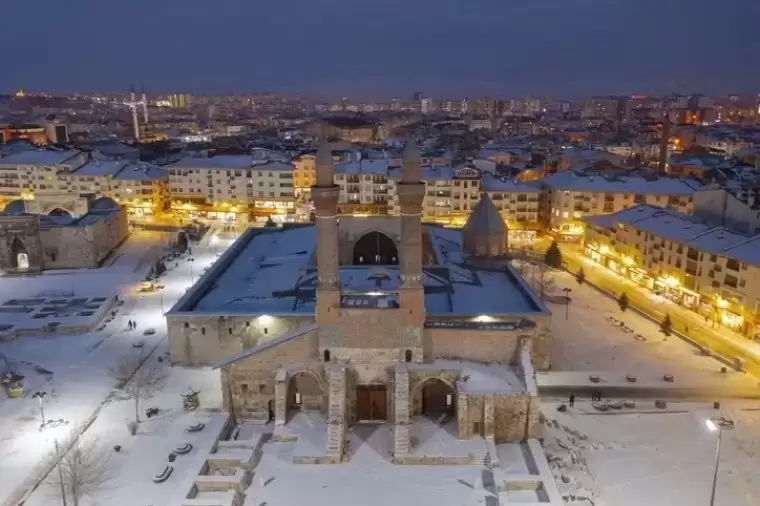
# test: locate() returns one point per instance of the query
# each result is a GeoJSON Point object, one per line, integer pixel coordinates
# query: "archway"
{"type": "Point", "coordinates": [182, 242]}
{"type": "Point", "coordinates": [375, 248]}
{"type": "Point", "coordinates": [19, 254]}
{"type": "Point", "coordinates": [305, 393]}
{"type": "Point", "coordinates": [59, 211]}
{"type": "Point", "coordinates": [438, 398]}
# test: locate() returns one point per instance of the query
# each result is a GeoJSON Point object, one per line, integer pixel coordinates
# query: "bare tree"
{"type": "Point", "coordinates": [83, 470]}
{"type": "Point", "coordinates": [138, 379]}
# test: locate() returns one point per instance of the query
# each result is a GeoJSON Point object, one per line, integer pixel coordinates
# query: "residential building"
{"type": "Point", "coordinates": [232, 188]}
{"type": "Point", "coordinates": [570, 196]}
{"type": "Point", "coordinates": [737, 209]}
{"type": "Point", "coordinates": [710, 270]}
{"type": "Point", "coordinates": [363, 186]}
{"type": "Point", "coordinates": [140, 187]}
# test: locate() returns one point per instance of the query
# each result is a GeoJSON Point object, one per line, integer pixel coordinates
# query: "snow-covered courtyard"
{"type": "Point", "coordinates": [586, 340]}
{"type": "Point", "coordinates": [72, 370]}
{"type": "Point", "coordinates": [655, 457]}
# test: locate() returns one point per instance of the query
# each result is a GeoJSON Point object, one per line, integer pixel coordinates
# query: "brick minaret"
{"type": "Point", "coordinates": [411, 191]}
{"type": "Point", "coordinates": [325, 196]}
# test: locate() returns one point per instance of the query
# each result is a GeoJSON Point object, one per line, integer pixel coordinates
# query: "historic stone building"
{"type": "Point", "coordinates": [371, 319]}
{"type": "Point", "coordinates": [59, 232]}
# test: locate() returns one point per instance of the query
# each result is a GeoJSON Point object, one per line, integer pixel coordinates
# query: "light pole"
{"type": "Point", "coordinates": [567, 302]}
{"type": "Point", "coordinates": [717, 425]}
{"type": "Point", "coordinates": [161, 296]}
{"type": "Point", "coordinates": [192, 278]}
{"type": "Point", "coordinates": [40, 396]}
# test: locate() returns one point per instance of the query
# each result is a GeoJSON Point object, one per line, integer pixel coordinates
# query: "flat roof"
{"type": "Point", "coordinates": [38, 157]}
{"type": "Point", "coordinates": [273, 272]}
{"type": "Point", "coordinates": [573, 181]}
{"type": "Point", "coordinates": [214, 162]}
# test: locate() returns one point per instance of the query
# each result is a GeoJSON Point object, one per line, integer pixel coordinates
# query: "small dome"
{"type": "Point", "coordinates": [103, 204]}
{"type": "Point", "coordinates": [485, 218]}
{"type": "Point", "coordinates": [15, 207]}
{"type": "Point", "coordinates": [485, 232]}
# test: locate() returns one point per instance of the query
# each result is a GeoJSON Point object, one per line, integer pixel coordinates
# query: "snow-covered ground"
{"type": "Point", "coordinates": [653, 457]}
{"type": "Point", "coordinates": [587, 341]}
{"type": "Point", "coordinates": [73, 369]}
{"type": "Point", "coordinates": [369, 479]}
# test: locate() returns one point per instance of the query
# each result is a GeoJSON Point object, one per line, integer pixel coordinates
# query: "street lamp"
{"type": "Point", "coordinates": [567, 302]}
{"type": "Point", "coordinates": [40, 396]}
{"type": "Point", "coordinates": [717, 425]}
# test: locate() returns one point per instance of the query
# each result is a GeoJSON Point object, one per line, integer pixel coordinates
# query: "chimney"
{"type": "Point", "coordinates": [135, 122]}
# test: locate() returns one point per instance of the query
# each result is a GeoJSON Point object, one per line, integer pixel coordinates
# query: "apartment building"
{"type": "Point", "coordinates": [141, 188]}
{"type": "Point", "coordinates": [304, 173]}
{"type": "Point", "coordinates": [363, 186]}
{"type": "Point", "coordinates": [710, 270]}
{"type": "Point", "coordinates": [451, 194]}
{"type": "Point", "coordinates": [570, 196]}
{"type": "Point", "coordinates": [232, 188]}
{"type": "Point", "coordinates": [737, 209]}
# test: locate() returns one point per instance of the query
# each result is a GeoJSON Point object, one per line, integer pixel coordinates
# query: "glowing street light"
{"type": "Point", "coordinates": [717, 425]}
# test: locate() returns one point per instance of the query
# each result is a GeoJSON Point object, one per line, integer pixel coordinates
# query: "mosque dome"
{"type": "Point", "coordinates": [103, 204]}
{"type": "Point", "coordinates": [485, 232]}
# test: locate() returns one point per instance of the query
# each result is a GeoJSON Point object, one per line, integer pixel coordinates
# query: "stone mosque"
{"type": "Point", "coordinates": [379, 319]}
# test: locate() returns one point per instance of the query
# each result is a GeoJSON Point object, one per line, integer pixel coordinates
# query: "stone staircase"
{"type": "Point", "coordinates": [402, 428]}
{"type": "Point", "coordinates": [481, 459]}
{"type": "Point", "coordinates": [336, 413]}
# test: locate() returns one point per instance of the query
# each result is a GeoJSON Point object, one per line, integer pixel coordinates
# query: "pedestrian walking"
{"type": "Point", "coordinates": [571, 400]}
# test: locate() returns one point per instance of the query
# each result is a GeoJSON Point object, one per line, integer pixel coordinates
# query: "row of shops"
{"type": "Point", "coordinates": [715, 312]}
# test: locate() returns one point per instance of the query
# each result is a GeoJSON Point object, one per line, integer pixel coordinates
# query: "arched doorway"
{"type": "Point", "coordinates": [59, 211]}
{"type": "Point", "coordinates": [375, 248]}
{"type": "Point", "coordinates": [182, 242]}
{"type": "Point", "coordinates": [438, 398]}
{"type": "Point", "coordinates": [304, 393]}
{"type": "Point", "coordinates": [19, 254]}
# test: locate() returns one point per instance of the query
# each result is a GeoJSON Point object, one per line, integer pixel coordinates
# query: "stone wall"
{"type": "Point", "coordinates": [26, 229]}
{"type": "Point", "coordinates": [507, 417]}
{"type": "Point", "coordinates": [203, 340]}
{"type": "Point", "coordinates": [477, 345]}
{"type": "Point", "coordinates": [248, 385]}
{"type": "Point", "coordinates": [417, 380]}
{"type": "Point", "coordinates": [83, 247]}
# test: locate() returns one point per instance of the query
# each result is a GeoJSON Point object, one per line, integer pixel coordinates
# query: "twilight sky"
{"type": "Point", "coordinates": [382, 47]}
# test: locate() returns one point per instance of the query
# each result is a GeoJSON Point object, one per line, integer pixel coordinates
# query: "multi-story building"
{"type": "Point", "coordinates": [232, 188]}
{"type": "Point", "coordinates": [735, 208]}
{"type": "Point", "coordinates": [571, 196]}
{"type": "Point", "coordinates": [451, 194]}
{"type": "Point", "coordinates": [363, 186]}
{"type": "Point", "coordinates": [140, 187]}
{"type": "Point", "coordinates": [710, 270]}
{"type": "Point", "coordinates": [304, 173]}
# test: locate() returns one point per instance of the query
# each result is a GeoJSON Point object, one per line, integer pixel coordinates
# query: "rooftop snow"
{"type": "Point", "coordinates": [38, 157]}
{"type": "Point", "coordinates": [214, 162]}
{"type": "Point", "coordinates": [273, 272]}
{"type": "Point", "coordinates": [491, 183]}
{"type": "Point", "coordinates": [366, 166]}
{"type": "Point", "coordinates": [621, 184]}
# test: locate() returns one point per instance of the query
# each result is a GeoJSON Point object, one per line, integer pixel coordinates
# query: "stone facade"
{"type": "Point", "coordinates": [353, 364]}
{"type": "Point", "coordinates": [84, 243]}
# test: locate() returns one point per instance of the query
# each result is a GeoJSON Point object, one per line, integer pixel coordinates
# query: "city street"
{"type": "Point", "coordinates": [719, 339]}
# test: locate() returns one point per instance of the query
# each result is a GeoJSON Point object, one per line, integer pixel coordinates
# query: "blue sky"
{"type": "Point", "coordinates": [382, 47]}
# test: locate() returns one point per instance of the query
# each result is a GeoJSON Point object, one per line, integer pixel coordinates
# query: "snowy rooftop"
{"type": "Point", "coordinates": [120, 169]}
{"type": "Point", "coordinates": [273, 272]}
{"type": "Point", "coordinates": [491, 183]}
{"type": "Point", "coordinates": [480, 378]}
{"type": "Point", "coordinates": [366, 166]}
{"type": "Point", "coordinates": [626, 184]}
{"type": "Point", "coordinates": [684, 229]}
{"type": "Point", "coordinates": [38, 157]}
{"type": "Point", "coordinates": [214, 162]}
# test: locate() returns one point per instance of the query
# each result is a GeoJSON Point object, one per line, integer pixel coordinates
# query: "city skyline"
{"type": "Point", "coordinates": [495, 49]}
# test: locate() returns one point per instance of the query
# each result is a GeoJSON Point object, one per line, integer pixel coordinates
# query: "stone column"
{"type": "Point", "coordinates": [401, 418]}
{"type": "Point", "coordinates": [280, 401]}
